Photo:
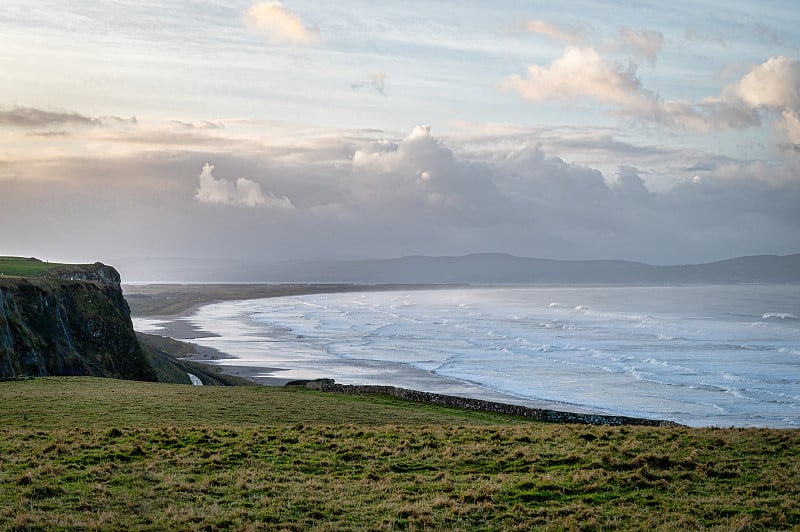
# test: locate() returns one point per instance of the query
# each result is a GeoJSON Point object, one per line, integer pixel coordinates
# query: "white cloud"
{"type": "Point", "coordinates": [768, 93]}
{"type": "Point", "coordinates": [552, 31]}
{"type": "Point", "coordinates": [278, 24]}
{"type": "Point", "coordinates": [242, 192]}
{"type": "Point", "coordinates": [579, 72]}
{"type": "Point", "coordinates": [774, 84]}
{"type": "Point", "coordinates": [645, 44]}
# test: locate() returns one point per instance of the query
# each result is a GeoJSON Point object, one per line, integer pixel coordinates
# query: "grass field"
{"type": "Point", "coordinates": [111, 455]}
{"type": "Point", "coordinates": [23, 267]}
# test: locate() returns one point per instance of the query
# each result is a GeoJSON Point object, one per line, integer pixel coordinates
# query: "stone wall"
{"type": "Point", "coordinates": [538, 414]}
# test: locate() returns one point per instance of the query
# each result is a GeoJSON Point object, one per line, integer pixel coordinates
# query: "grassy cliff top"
{"type": "Point", "coordinates": [25, 267]}
{"type": "Point", "coordinates": [19, 269]}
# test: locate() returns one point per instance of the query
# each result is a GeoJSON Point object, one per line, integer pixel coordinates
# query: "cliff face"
{"type": "Point", "coordinates": [70, 321]}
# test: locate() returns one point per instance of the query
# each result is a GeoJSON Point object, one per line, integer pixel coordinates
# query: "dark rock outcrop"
{"type": "Point", "coordinates": [73, 320]}
{"type": "Point", "coordinates": [97, 272]}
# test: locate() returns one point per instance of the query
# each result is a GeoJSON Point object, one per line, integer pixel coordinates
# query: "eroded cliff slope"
{"type": "Point", "coordinates": [71, 320]}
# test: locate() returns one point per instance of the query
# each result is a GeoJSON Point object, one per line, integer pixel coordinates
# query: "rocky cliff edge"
{"type": "Point", "coordinates": [71, 320]}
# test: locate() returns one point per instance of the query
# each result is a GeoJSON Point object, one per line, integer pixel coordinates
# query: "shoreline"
{"type": "Point", "coordinates": [175, 328]}
{"type": "Point", "coordinates": [149, 302]}
{"type": "Point", "coordinates": [172, 305]}
{"type": "Point", "coordinates": [181, 302]}
{"type": "Point", "coordinates": [165, 301]}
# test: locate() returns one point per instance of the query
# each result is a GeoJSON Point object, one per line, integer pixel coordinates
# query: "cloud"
{"type": "Point", "coordinates": [376, 81]}
{"type": "Point", "coordinates": [769, 92]}
{"type": "Point", "coordinates": [773, 84]}
{"type": "Point", "coordinates": [201, 125]}
{"type": "Point", "coordinates": [243, 192]}
{"type": "Point", "coordinates": [31, 118]}
{"type": "Point", "coordinates": [582, 72]}
{"type": "Point", "coordinates": [419, 172]}
{"type": "Point", "coordinates": [552, 31]}
{"type": "Point", "coordinates": [353, 194]}
{"type": "Point", "coordinates": [644, 44]}
{"type": "Point", "coordinates": [789, 125]}
{"type": "Point", "coordinates": [279, 25]}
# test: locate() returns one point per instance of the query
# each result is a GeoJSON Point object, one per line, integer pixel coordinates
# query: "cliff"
{"type": "Point", "coordinates": [69, 320]}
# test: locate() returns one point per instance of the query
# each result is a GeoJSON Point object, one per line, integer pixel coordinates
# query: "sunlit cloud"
{"type": "Point", "coordinates": [773, 84]}
{"type": "Point", "coordinates": [279, 25]}
{"type": "Point", "coordinates": [241, 192]}
{"type": "Point", "coordinates": [767, 93]}
{"type": "Point", "coordinates": [581, 72]}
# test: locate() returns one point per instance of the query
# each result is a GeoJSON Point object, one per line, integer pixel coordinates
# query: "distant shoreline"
{"type": "Point", "coordinates": [286, 359]}
{"type": "Point", "coordinates": [172, 304]}
{"type": "Point", "coordinates": [178, 300]}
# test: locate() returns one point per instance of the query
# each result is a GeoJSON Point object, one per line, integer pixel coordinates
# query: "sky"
{"type": "Point", "coordinates": [666, 133]}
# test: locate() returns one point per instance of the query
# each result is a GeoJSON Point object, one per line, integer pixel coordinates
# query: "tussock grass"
{"type": "Point", "coordinates": [109, 455]}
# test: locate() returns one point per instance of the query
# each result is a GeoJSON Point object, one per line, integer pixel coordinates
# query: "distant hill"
{"type": "Point", "coordinates": [475, 268]}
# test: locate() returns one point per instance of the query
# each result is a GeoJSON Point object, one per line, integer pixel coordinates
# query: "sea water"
{"type": "Point", "coordinates": [698, 355]}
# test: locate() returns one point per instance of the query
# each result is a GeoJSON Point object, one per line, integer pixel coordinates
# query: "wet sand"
{"type": "Point", "coordinates": [177, 328]}
{"type": "Point", "coordinates": [172, 304]}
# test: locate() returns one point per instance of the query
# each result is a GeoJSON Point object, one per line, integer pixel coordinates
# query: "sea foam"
{"type": "Point", "coordinates": [664, 352]}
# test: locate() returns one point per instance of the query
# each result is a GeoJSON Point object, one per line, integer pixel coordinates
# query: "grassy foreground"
{"type": "Point", "coordinates": [111, 455]}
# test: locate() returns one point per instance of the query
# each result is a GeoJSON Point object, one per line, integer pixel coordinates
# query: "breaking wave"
{"type": "Point", "coordinates": [688, 354]}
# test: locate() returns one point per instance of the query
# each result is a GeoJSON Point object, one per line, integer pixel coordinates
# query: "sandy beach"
{"type": "Point", "coordinates": [175, 300]}
{"type": "Point", "coordinates": [168, 305]}
{"type": "Point", "coordinates": [168, 308]}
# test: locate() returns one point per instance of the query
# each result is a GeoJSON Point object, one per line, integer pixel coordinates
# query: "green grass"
{"type": "Point", "coordinates": [24, 267]}
{"type": "Point", "coordinates": [64, 402]}
{"type": "Point", "coordinates": [100, 454]}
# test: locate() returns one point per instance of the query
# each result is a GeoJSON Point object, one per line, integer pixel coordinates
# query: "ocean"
{"type": "Point", "coordinates": [698, 355]}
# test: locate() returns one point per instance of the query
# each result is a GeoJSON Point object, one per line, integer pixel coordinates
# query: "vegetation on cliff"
{"type": "Point", "coordinates": [22, 267]}
{"type": "Point", "coordinates": [60, 319]}
{"type": "Point", "coordinates": [82, 453]}
{"type": "Point", "coordinates": [165, 354]}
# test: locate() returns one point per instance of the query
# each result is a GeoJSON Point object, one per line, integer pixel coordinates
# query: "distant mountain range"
{"type": "Point", "coordinates": [480, 268]}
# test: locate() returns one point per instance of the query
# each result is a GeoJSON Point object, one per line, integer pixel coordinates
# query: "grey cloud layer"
{"type": "Point", "coordinates": [29, 117]}
{"type": "Point", "coordinates": [351, 196]}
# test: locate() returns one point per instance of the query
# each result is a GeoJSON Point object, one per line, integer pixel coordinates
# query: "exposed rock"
{"type": "Point", "coordinates": [97, 272]}
{"type": "Point", "coordinates": [70, 321]}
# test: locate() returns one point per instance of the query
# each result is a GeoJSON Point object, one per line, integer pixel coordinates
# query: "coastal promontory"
{"type": "Point", "coordinates": [66, 320]}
